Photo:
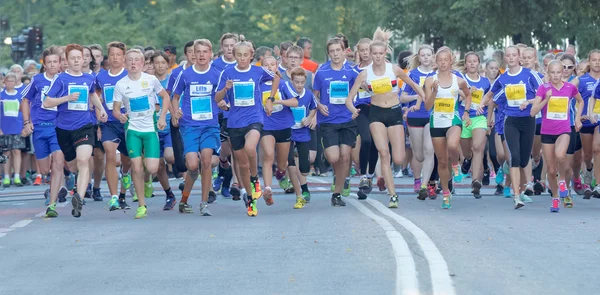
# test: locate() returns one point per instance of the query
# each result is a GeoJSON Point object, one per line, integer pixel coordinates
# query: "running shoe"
{"type": "Point", "coordinates": [422, 194]}
{"type": "Point", "coordinates": [77, 203]}
{"type": "Point", "coordinates": [148, 190]}
{"type": "Point", "coordinates": [587, 192]}
{"type": "Point", "coordinates": [507, 193]}
{"type": "Point", "coordinates": [476, 189]}
{"type": "Point", "coordinates": [6, 182]}
{"type": "Point", "coordinates": [446, 201]}
{"type": "Point", "coordinates": [306, 196]}
{"type": "Point", "coordinates": [218, 183]}
{"type": "Point", "coordinates": [596, 192]}
{"type": "Point", "coordinates": [289, 190]}
{"type": "Point", "coordinates": [97, 196]}
{"type": "Point", "coordinates": [225, 192]}
{"type": "Point", "coordinates": [284, 182]}
{"type": "Point", "coordinates": [123, 204]}
{"type": "Point", "coordinates": [204, 209]}
{"type": "Point", "coordinates": [113, 204]}
{"type": "Point", "coordinates": [62, 194]}
{"type": "Point", "coordinates": [381, 184]}
{"type": "Point", "coordinates": [126, 181]}
{"type": "Point", "coordinates": [578, 186]}
{"type": "Point", "coordinates": [432, 191]}
{"type": "Point", "coordinates": [38, 180]}
{"type": "Point", "coordinates": [393, 203]}
{"type": "Point", "coordinates": [352, 171]}
{"type": "Point", "coordinates": [300, 202]}
{"type": "Point", "coordinates": [518, 202]}
{"type": "Point", "coordinates": [215, 173]}
{"type": "Point", "coordinates": [399, 174]}
{"type": "Point", "coordinates": [141, 212]}
{"type": "Point", "coordinates": [499, 190]}
{"type": "Point", "coordinates": [408, 172]}
{"type": "Point", "coordinates": [506, 168]}
{"type": "Point", "coordinates": [181, 186]}
{"type": "Point", "coordinates": [51, 211]}
{"type": "Point", "coordinates": [456, 174]}
{"type": "Point", "coordinates": [70, 182]}
{"type": "Point", "coordinates": [361, 195]}
{"type": "Point", "coordinates": [486, 178]}
{"type": "Point", "coordinates": [363, 183]}
{"type": "Point", "coordinates": [24, 181]}
{"type": "Point", "coordinates": [170, 203]}
{"type": "Point", "coordinates": [562, 189]}
{"type": "Point", "coordinates": [555, 205]}
{"type": "Point", "coordinates": [251, 208]}
{"type": "Point", "coordinates": [88, 192]}
{"type": "Point", "coordinates": [47, 197]}
{"type": "Point", "coordinates": [235, 192]}
{"type": "Point", "coordinates": [466, 166]}
{"type": "Point", "coordinates": [185, 208]}
{"type": "Point", "coordinates": [529, 189]}
{"type": "Point", "coordinates": [268, 196]}
{"type": "Point", "coordinates": [568, 201]}
{"type": "Point", "coordinates": [17, 182]}
{"type": "Point", "coordinates": [538, 188]}
{"type": "Point", "coordinates": [212, 197]}
{"type": "Point", "coordinates": [256, 192]}
{"type": "Point", "coordinates": [525, 198]}
{"type": "Point", "coordinates": [500, 177]}
{"type": "Point", "coordinates": [134, 198]}
{"type": "Point", "coordinates": [336, 201]}
{"type": "Point", "coordinates": [588, 176]}
{"type": "Point", "coordinates": [346, 189]}
{"type": "Point", "coordinates": [417, 185]}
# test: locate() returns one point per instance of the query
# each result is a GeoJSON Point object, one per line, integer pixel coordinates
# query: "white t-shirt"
{"type": "Point", "coordinates": [140, 99]}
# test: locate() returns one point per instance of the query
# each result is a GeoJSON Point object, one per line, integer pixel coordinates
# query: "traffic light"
{"type": "Point", "coordinates": [19, 47]}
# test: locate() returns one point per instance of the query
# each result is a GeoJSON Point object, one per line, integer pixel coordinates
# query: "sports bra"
{"type": "Point", "coordinates": [388, 82]}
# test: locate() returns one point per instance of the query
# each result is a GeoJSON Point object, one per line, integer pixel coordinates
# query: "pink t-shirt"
{"type": "Point", "coordinates": [556, 115]}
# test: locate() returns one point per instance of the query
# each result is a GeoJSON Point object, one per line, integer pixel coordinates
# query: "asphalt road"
{"type": "Point", "coordinates": [478, 247]}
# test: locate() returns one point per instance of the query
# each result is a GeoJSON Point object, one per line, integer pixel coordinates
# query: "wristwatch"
{"type": "Point", "coordinates": [272, 99]}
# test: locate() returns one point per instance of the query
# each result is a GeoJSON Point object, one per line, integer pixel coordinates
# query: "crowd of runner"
{"type": "Point", "coordinates": [233, 114]}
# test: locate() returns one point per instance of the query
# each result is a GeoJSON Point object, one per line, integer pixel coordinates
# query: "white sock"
{"type": "Point", "coordinates": [17, 176]}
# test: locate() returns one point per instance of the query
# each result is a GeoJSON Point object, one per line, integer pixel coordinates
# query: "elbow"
{"type": "Point", "coordinates": [294, 103]}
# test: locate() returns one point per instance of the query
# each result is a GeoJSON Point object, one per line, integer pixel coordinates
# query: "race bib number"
{"type": "Point", "coordinates": [109, 96]}
{"type": "Point", "coordinates": [201, 108]}
{"type": "Point", "coordinates": [243, 94]}
{"type": "Point", "coordinates": [515, 94]}
{"type": "Point", "coordinates": [81, 104]}
{"type": "Point", "coordinates": [381, 85]}
{"type": "Point", "coordinates": [140, 106]}
{"type": "Point", "coordinates": [558, 108]}
{"type": "Point", "coordinates": [276, 107]}
{"type": "Point", "coordinates": [338, 92]}
{"type": "Point", "coordinates": [299, 115]}
{"type": "Point", "coordinates": [443, 112]}
{"type": "Point", "coordinates": [476, 97]}
{"type": "Point", "coordinates": [10, 108]}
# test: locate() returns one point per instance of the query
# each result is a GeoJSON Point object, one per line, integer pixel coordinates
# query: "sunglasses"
{"type": "Point", "coordinates": [568, 67]}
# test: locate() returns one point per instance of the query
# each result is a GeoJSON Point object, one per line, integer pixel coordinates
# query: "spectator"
{"type": "Point", "coordinates": [30, 67]}
{"type": "Point", "coordinates": [307, 63]}
{"type": "Point", "coordinates": [172, 52]}
{"type": "Point", "coordinates": [261, 53]}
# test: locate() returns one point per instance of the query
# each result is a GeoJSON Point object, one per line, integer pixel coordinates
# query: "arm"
{"type": "Point", "coordinates": [350, 99]}
{"type": "Point", "coordinates": [117, 112]}
{"type": "Point", "coordinates": [25, 110]}
{"type": "Point", "coordinates": [430, 92]}
{"type": "Point", "coordinates": [467, 94]}
{"type": "Point", "coordinates": [490, 115]}
{"type": "Point", "coordinates": [51, 102]}
{"type": "Point", "coordinates": [406, 98]}
{"type": "Point", "coordinates": [579, 106]}
{"type": "Point", "coordinates": [176, 98]}
{"type": "Point", "coordinates": [404, 77]}
{"type": "Point", "coordinates": [220, 95]}
{"type": "Point", "coordinates": [166, 103]}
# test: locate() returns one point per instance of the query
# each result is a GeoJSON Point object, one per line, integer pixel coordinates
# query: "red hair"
{"type": "Point", "coordinates": [71, 47]}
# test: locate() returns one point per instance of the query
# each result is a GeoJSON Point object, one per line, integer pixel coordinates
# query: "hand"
{"type": "Point", "coordinates": [585, 118]}
{"type": "Point", "coordinates": [123, 118]}
{"type": "Point", "coordinates": [27, 130]}
{"type": "Point", "coordinates": [161, 123]}
{"type": "Point", "coordinates": [354, 112]}
{"type": "Point", "coordinates": [175, 121]}
{"type": "Point", "coordinates": [228, 84]}
{"type": "Point", "coordinates": [435, 86]}
{"type": "Point", "coordinates": [480, 110]}
{"type": "Point", "coordinates": [269, 107]}
{"type": "Point", "coordinates": [323, 109]}
{"type": "Point", "coordinates": [223, 105]}
{"type": "Point", "coordinates": [73, 96]}
{"type": "Point", "coordinates": [413, 108]}
{"type": "Point", "coordinates": [524, 105]}
{"type": "Point", "coordinates": [491, 123]}
{"type": "Point", "coordinates": [467, 119]}
{"type": "Point", "coordinates": [593, 119]}
{"type": "Point", "coordinates": [578, 125]}
{"type": "Point", "coordinates": [103, 116]}
{"type": "Point", "coordinates": [177, 114]}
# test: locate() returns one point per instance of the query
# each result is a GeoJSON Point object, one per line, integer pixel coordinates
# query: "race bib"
{"type": "Point", "coordinates": [558, 108]}
{"type": "Point", "coordinates": [338, 92]}
{"type": "Point", "coordinates": [597, 106]}
{"type": "Point", "coordinates": [81, 104]}
{"type": "Point", "coordinates": [276, 107]}
{"type": "Point", "coordinates": [476, 97]}
{"type": "Point", "coordinates": [422, 81]}
{"type": "Point", "coordinates": [140, 106]}
{"type": "Point", "coordinates": [10, 108]}
{"type": "Point", "coordinates": [515, 94]}
{"type": "Point", "coordinates": [109, 96]}
{"type": "Point", "coordinates": [363, 94]}
{"type": "Point", "coordinates": [243, 94]}
{"type": "Point", "coordinates": [381, 85]}
{"type": "Point", "coordinates": [299, 115]}
{"type": "Point", "coordinates": [443, 112]}
{"type": "Point", "coordinates": [43, 97]}
{"type": "Point", "coordinates": [201, 108]}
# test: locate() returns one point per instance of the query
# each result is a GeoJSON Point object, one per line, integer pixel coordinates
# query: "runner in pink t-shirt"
{"type": "Point", "coordinates": [554, 100]}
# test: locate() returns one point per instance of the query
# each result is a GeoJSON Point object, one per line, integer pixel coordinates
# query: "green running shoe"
{"type": "Point", "coordinates": [524, 198]}
{"type": "Point", "coordinates": [134, 198]}
{"type": "Point", "coordinates": [113, 204]}
{"type": "Point", "coordinates": [148, 190]}
{"type": "Point", "coordinates": [346, 189]}
{"type": "Point", "coordinates": [284, 183]}
{"type": "Point", "coordinates": [6, 182]}
{"type": "Point", "coordinates": [17, 182]}
{"type": "Point", "coordinates": [51, 211]}
{"type": "Point", "coordinates": [446, 202]}
{"type": "Point", "coordinates": [141, 212]}
{"type": "Point", "coordinates": [126, 181]}
{"type": "Point", "coordinates": [393, 202]}
{"type": "Point", "coordinates": [306, 196]}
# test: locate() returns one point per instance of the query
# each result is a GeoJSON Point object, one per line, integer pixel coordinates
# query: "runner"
{"type": "Point", "coordinates": [513, 88]}
{"type": "Point", "coordinates": [241, 85]}
{"type": "Point", "coordinates": [72, 92]}
{"type": "Point", "coordinates": [277, 131]}
{"type": "Point", "coordinates": [385, 114]}
{"type": "Point", "coordinates": [554, 100]}
{"type": "Point", "coordinates": [331, 86]}
{"type": "Point", "coordinates": [474, 136]}
{"type": "Point", "coordinates": [11, 121]}
{"type": "Point", "coordinates": [442, 99]}
{"type": "Point", "coordinates": [137, 92]}
{"type": "Point", "coordinates": [421, 65]}
{"type": "Point", "coordinates": [41, 122]}
{"type": "Point", "coordinates": [113, 131]}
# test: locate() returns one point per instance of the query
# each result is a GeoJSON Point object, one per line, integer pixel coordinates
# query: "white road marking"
{"type": "Point", "coordinates": [6, 230]}
{"type": "Point", "coordinates": [440, 277]}
{"type": "Point", "coordinates": [406, 272]}
{"type": "Point", "coordinates": [2, 235]}
{"type": "Point", "coordinates": [20, 224]}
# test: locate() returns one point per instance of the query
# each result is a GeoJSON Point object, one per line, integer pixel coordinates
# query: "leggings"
{"type": "Point", "coordinates": [368, 151]}
{"type": "Point", "coordinates": [303, 156]}
{"type": "Point", "coordinates": [519, 132]}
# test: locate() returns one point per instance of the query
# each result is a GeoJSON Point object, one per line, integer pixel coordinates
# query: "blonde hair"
{"type": "Point", "coordinates": [135, 50]}
{"type": "Point", "coordinates": [203, 42]}
{"type": "Point", "coordinates": [588, 67]}
{"type": "Point", "coordinates": [414, 61]}
{"type": "Point", "coordinates": [536, 66]}
{"type": "Point", "coordinates": [243, 44]}
{"type": "Point", "coordinates": [381, 37]}
{"type": "Point", "coordinates": [462, 64]}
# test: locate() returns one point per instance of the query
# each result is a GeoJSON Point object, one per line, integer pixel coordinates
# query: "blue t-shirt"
{"type": "Point", "coordinates": [220, 64]}
{"type": "Point", "coordinates": [363, 96]}
{"type": "Point", "coordinates": [419, 78]}
{"type": "Point", "coordinates": [196, 91]}
{"type": "Point", "coordinates": [245, 97]}
{"type": "Point", "coordinates": [72, 115]}
{"type": "Point", "coordinates": [306, 103]}
{"type": "Point", "coordinates": [35, 94]}
{"type": "Point", "coordinates": [281, 117]}
{"type": "Point", "coordinates": [11, 117]}
{"type": "Point", "coordinates": [483, 87]}
{"type": "Point", "coordinates": [334, 87]}
{"type": "Point", "coordinates": [587, 85]}
{"type": "Point", "coordinates": [105, 83]}
{"type": "Point", "coordinates": [515, 89]}
{"type": "Point", "coordinates": [164, 84]}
